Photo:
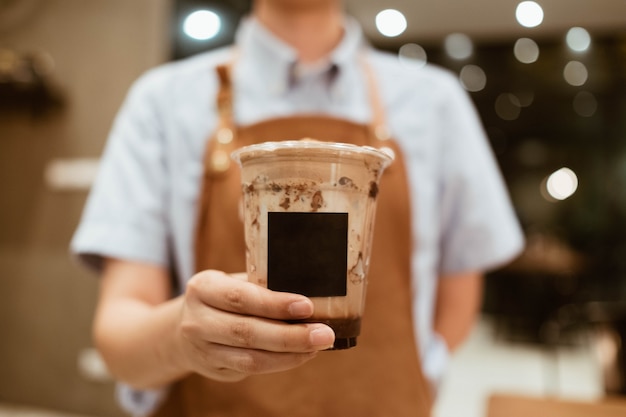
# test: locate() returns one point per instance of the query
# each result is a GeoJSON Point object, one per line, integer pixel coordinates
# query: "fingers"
{"type": "Point", "coordinates": [247, 362]}
{"type": "Point", "coordinates": [232, 312]}
{"type": "Point", "coordinates": [231, 328]}
{"type": "Point", "coordinates": [236, 364]}
{"type": "Point", "coordinates": [259, 333]}
{"type": "Point", "coordinates": [231, 293]}
{"type": "Point", "coordinates": [233, 352]}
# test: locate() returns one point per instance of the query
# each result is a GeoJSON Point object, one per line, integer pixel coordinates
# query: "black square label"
{"type": "Point", "coordinates": [307, 253]}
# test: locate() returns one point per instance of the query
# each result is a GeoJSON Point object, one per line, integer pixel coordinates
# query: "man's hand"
{"type": "Point", "coordinates": [222, 327]}
{"type": "Point", "coordinates": [231, 328]}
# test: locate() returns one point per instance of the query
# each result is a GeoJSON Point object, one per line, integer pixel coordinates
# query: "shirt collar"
{"type": "Point", "coordinates": [261, 52]}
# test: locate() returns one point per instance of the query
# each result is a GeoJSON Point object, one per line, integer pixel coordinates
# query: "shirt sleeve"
{"type": "Point", "coordinates": [139, 403]}
{"type": "Point", "coordinates": [480, 230]}
{"type": "Point", "coordinates": [125, 212]}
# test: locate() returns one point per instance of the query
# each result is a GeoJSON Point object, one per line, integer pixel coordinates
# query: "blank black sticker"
{"type": "Point", "coordinates": [307, 253]}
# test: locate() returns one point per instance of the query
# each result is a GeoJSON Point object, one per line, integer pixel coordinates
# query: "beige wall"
{"type": "Point", "coordinates": [46, 301]}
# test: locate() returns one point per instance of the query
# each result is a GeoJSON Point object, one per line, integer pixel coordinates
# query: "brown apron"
{"type": "Point", "coordinates": [381, 376]}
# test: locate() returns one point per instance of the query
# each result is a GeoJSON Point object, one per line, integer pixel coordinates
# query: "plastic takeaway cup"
{"type": "Point", "coordinates": [309, 210]}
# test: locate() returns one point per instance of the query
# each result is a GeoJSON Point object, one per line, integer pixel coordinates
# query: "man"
{"type": "Point", "coordinates": [164, 202]}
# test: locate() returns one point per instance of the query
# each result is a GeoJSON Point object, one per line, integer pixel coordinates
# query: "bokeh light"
{"type": "Point", "coordinates": [458, 46]}
{"type": "Point", "coordinates": [526, 50]}
{"type": "Point", "coordinates": [578, 39]}
{"type": "Point", "coordinates": [473, 78]}
{"type": "Point", "coordinates": [525, 97]}
{"type": "Point", "coordinates": [529, 14]}
{"type": "Point", "coordinates": [575, 73]}
{"type": "Point", "coordinates": [585, 104]}
{"type": "Point", "coordinates": [202, 25]}
{"type": "Point", "coordinates": [561, 184]}
{"type": "Point", "coordinates": [412, 55]}
{"type": "Point", "coordinates": [390, 22]}
{"type": "Point", "coordinates": [508, 106]}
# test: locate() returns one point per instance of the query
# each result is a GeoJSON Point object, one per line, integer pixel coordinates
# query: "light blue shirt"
{"type": "Point", "coordinates": [143, 204]}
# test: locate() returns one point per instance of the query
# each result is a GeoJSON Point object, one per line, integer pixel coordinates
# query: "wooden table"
{"type": "Point", "coordinates": [504, 405]}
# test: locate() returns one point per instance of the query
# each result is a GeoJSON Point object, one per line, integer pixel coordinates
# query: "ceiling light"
{"type": "Point", "coordinates": [458, 46]}
{"type": "Point", "coordinates": [473, 78]}
{"type": "Point", "coordinates": [562, 184]}
{"type": "Point", "coordinates": [508, 106]}
{"type": "Point", "coordinates": [578, 39]}
{"type": "Point", "coordinates": [585, 104]}
{"type": "Point", "coordinates": [202, 25]}
{"type": "Point", "coordinates": [529, 14]}
{"type": "Point", "coordinates": [526, 50]}
{"type": "Point", "coordinates": [390, 22]}
{"type": "Point", "coordinates": [575, 73]}
{"type": "Point", "coordinates": [412, 55]}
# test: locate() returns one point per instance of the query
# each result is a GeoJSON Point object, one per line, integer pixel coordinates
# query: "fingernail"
{"type": "Point", "coordinates": [301, 309]}
{"type": "Point", "coordinates": [322, 336]}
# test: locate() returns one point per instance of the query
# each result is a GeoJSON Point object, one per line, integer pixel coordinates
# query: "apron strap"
{"type": "Point", "coordinates": [378, 123]}
{"type": "Point", "coordinates": [217, 159]}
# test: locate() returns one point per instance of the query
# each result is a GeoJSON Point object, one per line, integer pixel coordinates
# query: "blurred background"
{"type": "Point", "coordinates": [548, 79]}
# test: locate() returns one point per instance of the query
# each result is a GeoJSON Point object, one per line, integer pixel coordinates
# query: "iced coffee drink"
{"type": "Point", "coordinates": [308, 211]}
